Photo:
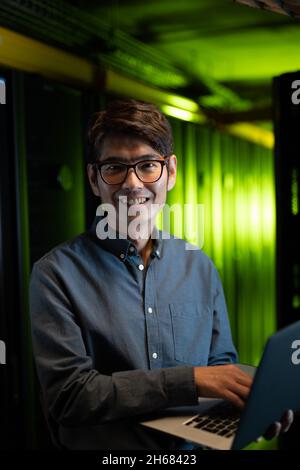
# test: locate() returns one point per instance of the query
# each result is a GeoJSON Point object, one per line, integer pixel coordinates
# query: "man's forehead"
{"type": "Point", "coordinates": [126, 147]}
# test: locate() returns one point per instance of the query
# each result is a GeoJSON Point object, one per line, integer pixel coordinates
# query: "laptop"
{"type": "Point", "coordinates": [216, 424]}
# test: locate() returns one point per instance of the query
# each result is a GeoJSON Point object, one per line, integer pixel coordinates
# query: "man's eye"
{"type": "Point", "coordinates": [149, 166]}
{"type": "Point", "coordinates": [113, 168]}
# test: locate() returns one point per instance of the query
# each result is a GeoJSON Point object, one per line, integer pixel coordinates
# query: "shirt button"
{"type": "Point", "coordinates": [131, 249]}
{"type": "Point", "coordinates": [150, 310]}
{"type": "Point", "coordinates": [154, 355]}
{"type": "Point", "coordinates": [157, 252]}
{"type": "Point", "coordinates": [141, 267]}
{"type": "Point", "coordinates": [122, 256]}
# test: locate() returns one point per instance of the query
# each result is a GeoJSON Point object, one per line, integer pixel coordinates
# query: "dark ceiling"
{"type": "Point", "coordinates": [220, 53]}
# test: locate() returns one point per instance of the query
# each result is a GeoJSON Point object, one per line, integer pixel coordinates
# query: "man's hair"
{"type": "Point", "coordinates": [132, 118]}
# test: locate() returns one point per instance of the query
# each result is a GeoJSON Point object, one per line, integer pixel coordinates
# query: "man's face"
{"type": "Point", "coordinates": [130, 150]}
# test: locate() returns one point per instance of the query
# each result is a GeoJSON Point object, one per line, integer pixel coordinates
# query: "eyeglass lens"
{"type": "Point", "coordinates": [146, 171]}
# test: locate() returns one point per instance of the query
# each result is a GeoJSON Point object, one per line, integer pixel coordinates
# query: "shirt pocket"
{"type": "Point", "coordinates": [192, 332]}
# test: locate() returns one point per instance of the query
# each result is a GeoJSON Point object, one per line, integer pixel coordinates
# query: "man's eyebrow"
{"type": "Point", "coordinates": [114, 158]}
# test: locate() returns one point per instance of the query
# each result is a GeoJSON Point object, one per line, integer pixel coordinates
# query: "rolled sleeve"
{"type": "Point", "coordinates": [181, 387]}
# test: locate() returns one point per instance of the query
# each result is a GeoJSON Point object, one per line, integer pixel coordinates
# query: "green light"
{"type": "Point", "coordinates": [142, 67]}
{"type": "Point", "coordinates": [217, 201]}
{"type": "Point", "coordinates": [183, 103]}
{"type": "Point", "coordinates": [268, 206]}
{"type": "Point", "coordinates": [252, 133]}
{"type": "Point", "coordinates": [182, 114]}
{"type": "Point", "coordinates": [234, 180]}
{"type": "Point", "coordinates": [190, 190]}
{"type": "Point", "coordinates": [296, 301]}
{"type": "Point", "coordinates": [222, 97]}
{"type": "Point", "coordinates": [181, 108]}
{"type": "Point", "coordinates": [255, 211]}
{"type": "Point", "coordinates": [295, 193]}
{"type": "Point", "coordinates": [247, 54]}
{"type": "Point", "coordinates": [228, 182]}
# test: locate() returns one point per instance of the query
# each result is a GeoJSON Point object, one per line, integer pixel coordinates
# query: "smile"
{"type": "Point", "coordinates": [133, 202]}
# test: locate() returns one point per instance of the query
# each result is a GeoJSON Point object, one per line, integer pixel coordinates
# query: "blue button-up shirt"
{"type": "Point", "coordinates": [114, 339]}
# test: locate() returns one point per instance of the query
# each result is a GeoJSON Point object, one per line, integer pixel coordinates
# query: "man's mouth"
{"type": "Point", "coordinates": [128, 201]}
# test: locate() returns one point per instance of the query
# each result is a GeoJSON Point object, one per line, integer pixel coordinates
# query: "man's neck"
{"type": "Point", "coordinates": [143, 245]}
{"type": "Point", "coordinates": [144, 248]}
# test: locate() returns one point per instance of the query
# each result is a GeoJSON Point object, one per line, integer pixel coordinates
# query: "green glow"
{"type": "Point", "coordinates": [180, 113]}
{"type": "Point", "coordinates": [250, 55]}
{"type": "Point", "coordinates": [296, 301]}
{"type": "Point", "coordinates": [217, 203]}
{"type": "Point", "coordinates": [234, 179]}
{"type": "Point", "coordinates": [268, 205]}
{"type": "Point", "coordinates": [295, 192]}
{"type": "Point", "coordinates": [263, 445]}
{"type": "Point", "coordinates": [255, 211]}
{"type": "Point", "coordinates": [252, 133]}
{"type": "Point", "coordinates": [139, 67]}
{"type": "Point", "coordinates": [222, 97]}
{"type": "Point", "coordinates": [228, 182]}
{"type": "Point", "coordinates": [190, 190]}
{"type": "Point", "coordinates": [122, 85]}
{"type": "Point", "coordinates": [177, 106]}
{"type": "Point", "coordinates": [183, 103]}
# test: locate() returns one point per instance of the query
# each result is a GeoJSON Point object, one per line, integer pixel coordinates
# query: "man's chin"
{"type": "Point", "coordinates": [142, 213]}
{"type": "Point", "coordinates": [136, 227]}
{"type": "Point", "coordinates": [132, 223]}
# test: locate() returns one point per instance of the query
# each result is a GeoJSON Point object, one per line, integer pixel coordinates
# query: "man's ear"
{"type": "Point", "coordinates": [172, 172]}
{"type": "Point", "coordinates": [93, 180]}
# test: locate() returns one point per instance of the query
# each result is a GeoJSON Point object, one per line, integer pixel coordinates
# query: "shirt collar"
{"type": "Point", "coordinates": [122, 247]}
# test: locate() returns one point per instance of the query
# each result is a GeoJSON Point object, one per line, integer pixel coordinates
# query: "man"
{"type": "Point", "coordinates": [129, 323]}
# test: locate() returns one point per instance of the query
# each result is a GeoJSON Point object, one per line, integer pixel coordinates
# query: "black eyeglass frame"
{"type": "Point", "coordinates": [163, 163]}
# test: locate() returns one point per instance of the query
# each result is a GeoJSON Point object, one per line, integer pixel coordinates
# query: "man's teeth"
{"type": "Point", "coordinates": [131, 202]}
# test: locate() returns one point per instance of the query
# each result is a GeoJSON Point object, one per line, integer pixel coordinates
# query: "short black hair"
{"type": "Point", "coordinates": [132, 118]}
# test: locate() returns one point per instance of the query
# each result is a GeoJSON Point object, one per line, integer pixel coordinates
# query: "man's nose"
{"type": "Point", "coordinates": [132, 181]}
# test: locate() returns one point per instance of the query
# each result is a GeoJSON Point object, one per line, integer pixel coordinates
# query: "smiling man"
{"type": "Point", "coordinates": [126, 322]}
{"type": "Point", "coordinates": [132, 180]}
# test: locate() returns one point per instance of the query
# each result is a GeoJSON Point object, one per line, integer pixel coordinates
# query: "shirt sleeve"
{"type": "Point", "coordinates": [222, 350]}
{"type": "Point", "coordinates": [74, 393]}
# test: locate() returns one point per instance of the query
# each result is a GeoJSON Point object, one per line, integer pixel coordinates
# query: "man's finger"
{"type": "Point", "coordinates": [234, 398]}
{"type": "Point", "coordinates": [240, 390]}
{"type": "Point", "coordinates": [287, 420]}
{"type": "Point", "coordinates": [244, 379]}
{"type": "Point", "coordinates": [273, 431]}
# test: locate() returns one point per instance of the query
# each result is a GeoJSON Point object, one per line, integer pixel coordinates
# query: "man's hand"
{"type": "Point", "coordinates": [232, 384]}
{"type": "Point", "coordinates": [279, 427]}
{"type": "Point", "coordinates": [226, 381]}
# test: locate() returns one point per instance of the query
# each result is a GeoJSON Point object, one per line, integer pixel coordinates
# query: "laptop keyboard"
{"type": "Point", "coordinates": [222, 419]}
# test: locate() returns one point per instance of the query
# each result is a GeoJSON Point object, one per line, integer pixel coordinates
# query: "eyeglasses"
{"type": "Point", "coordinates": [147, 171]}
